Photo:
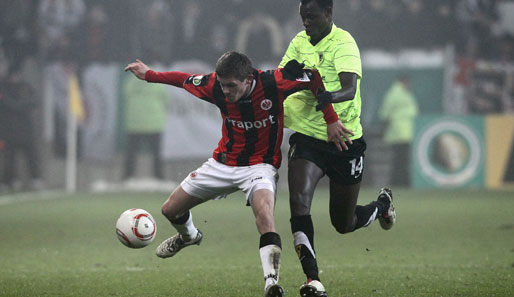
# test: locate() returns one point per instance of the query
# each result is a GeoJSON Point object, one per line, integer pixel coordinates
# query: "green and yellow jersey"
{"type": "Point", "coordinates": [337, 52]}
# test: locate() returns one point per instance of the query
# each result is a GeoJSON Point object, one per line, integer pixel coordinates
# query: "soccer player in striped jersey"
{"type": "Point", "coordinates": [248, 154]}
{"type": "Point", "coordinates": [334, 53]}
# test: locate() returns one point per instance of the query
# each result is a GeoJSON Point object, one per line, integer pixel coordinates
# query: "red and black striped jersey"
{"type": "Point", "coordinates": [253, 126]}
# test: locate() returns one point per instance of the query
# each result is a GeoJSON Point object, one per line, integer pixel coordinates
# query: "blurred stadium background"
{"type": "Point", "coordinates": [459, 55]}
{"type": "Point", "coordinates": [64, 59]}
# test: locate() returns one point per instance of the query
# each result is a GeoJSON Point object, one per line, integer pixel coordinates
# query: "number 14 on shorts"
{"type": "Point", "coordinates": [357, 166]}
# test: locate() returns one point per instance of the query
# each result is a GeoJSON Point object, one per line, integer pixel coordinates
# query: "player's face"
{"type": "Point", "coordinates": [234, 89]}
{"type": "Point", "coordinates": [317, 21]}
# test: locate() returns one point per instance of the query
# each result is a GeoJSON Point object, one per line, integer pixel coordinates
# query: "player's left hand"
{"type": "Point", "coordinates": [293, 70]}
{"type": "Point", "coordinates": [324, 98]}
{"type": "Point", "coordinates": [339, 134]}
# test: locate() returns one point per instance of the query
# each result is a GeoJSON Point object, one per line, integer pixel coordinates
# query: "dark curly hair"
{"type": "Point", "coordinates": [324, 4]}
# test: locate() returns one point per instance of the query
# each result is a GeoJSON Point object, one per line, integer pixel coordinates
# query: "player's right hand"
{"type": "Point", "coordinates": [339, 134]}
{"type": "Point", "coordinates": [138, 68]}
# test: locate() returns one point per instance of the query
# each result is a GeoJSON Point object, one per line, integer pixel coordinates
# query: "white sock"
{"type": "Point", "coordinates": [188, 229]}
{"type": "Point", "coordinates": [270, 259]}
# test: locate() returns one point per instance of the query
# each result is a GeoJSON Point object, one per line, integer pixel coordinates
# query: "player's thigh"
{"type": "Point", "coordinates": [263, 202]}
{"type": "Point", "coordinates": [345, 173]}
{"type": "Point", "coordinates": [303, 176]}
{"type": "Point", "coordinates": [251, 179]}
{"type": "Point", "coordinates": [213, 180]}
{"type": "Point", "coordinates": [307, 163]}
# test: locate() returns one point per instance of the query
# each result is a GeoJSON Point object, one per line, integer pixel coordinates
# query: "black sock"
{"type": "Point", "coordinates": [270, 238]}
{"type": "Point", "coordinates": [303, 232]}
{"type": "Point", "coordinates": [366, 214]}
{"type": "Point", "coordinates": [182, 219]}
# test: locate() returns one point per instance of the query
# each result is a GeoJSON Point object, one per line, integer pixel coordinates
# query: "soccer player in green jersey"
{"type": "Point", "coordinates": [315, 150]}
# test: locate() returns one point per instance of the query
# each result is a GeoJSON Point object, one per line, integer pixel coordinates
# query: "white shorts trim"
{"type": "Point", "coordinates": [214, 180]}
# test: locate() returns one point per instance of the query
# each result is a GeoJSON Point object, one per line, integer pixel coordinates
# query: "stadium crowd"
{"type": "Point", "coordinates": [118, 30]}
{"type": "Point", "coordinates": [114, 30]}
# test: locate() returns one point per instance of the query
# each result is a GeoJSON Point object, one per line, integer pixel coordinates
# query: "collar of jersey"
{"type": "Point", "coordinates": [254, 82]}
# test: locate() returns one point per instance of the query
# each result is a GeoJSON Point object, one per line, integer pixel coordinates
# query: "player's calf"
{"type": "Point", "coordinates": [270, 251]}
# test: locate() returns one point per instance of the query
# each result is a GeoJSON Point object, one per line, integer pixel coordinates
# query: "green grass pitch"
{"type": "Point", "coordinates": [445, 243]}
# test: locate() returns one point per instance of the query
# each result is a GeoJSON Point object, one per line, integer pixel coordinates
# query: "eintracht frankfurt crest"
{"type": "Point", "coordinates": [266, 104]}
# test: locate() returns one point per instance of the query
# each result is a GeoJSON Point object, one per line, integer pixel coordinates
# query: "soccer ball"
{"type": "Point", "coordinates": [136, 228]}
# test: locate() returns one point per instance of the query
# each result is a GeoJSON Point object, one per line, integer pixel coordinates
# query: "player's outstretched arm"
{"type": "Point", "coordinates": [138, 68]}
{"type": "Point", "coordinates": [347, 92]}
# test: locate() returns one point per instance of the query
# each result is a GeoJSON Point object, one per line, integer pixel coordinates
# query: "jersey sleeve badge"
{"type": "Point", "coordinates": [198, 80]}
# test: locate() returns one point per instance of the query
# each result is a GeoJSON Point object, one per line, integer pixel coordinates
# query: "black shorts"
{"type": "Point", "coordinates": [344, 167]}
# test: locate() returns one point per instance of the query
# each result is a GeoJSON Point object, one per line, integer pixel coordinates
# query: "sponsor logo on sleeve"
{"type": "Point", "coordinates": [197, 80]}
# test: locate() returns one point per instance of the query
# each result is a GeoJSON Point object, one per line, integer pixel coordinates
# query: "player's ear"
{"type": "Point", "coordinates": [249, 78]}
{"type": "Point", "coordinates": [328, 13]}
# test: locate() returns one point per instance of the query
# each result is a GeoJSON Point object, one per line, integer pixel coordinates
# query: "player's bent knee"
{"type": "Point", "coordinates": [264, 215]}
{"type": "Point", "coordinates": [342, 228]}
{"type": "Point", "coordinates": [300, 204]}
{"type": "Point", "coordinates": [169, 211]}
{"type": "Point", "coordinates": [265, 221]}
{"type": "Point", "coordinates": [300, 209]}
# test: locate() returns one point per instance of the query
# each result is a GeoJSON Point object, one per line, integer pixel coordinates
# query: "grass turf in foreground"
{"type": "Point", "coordinates": [445, 243]}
